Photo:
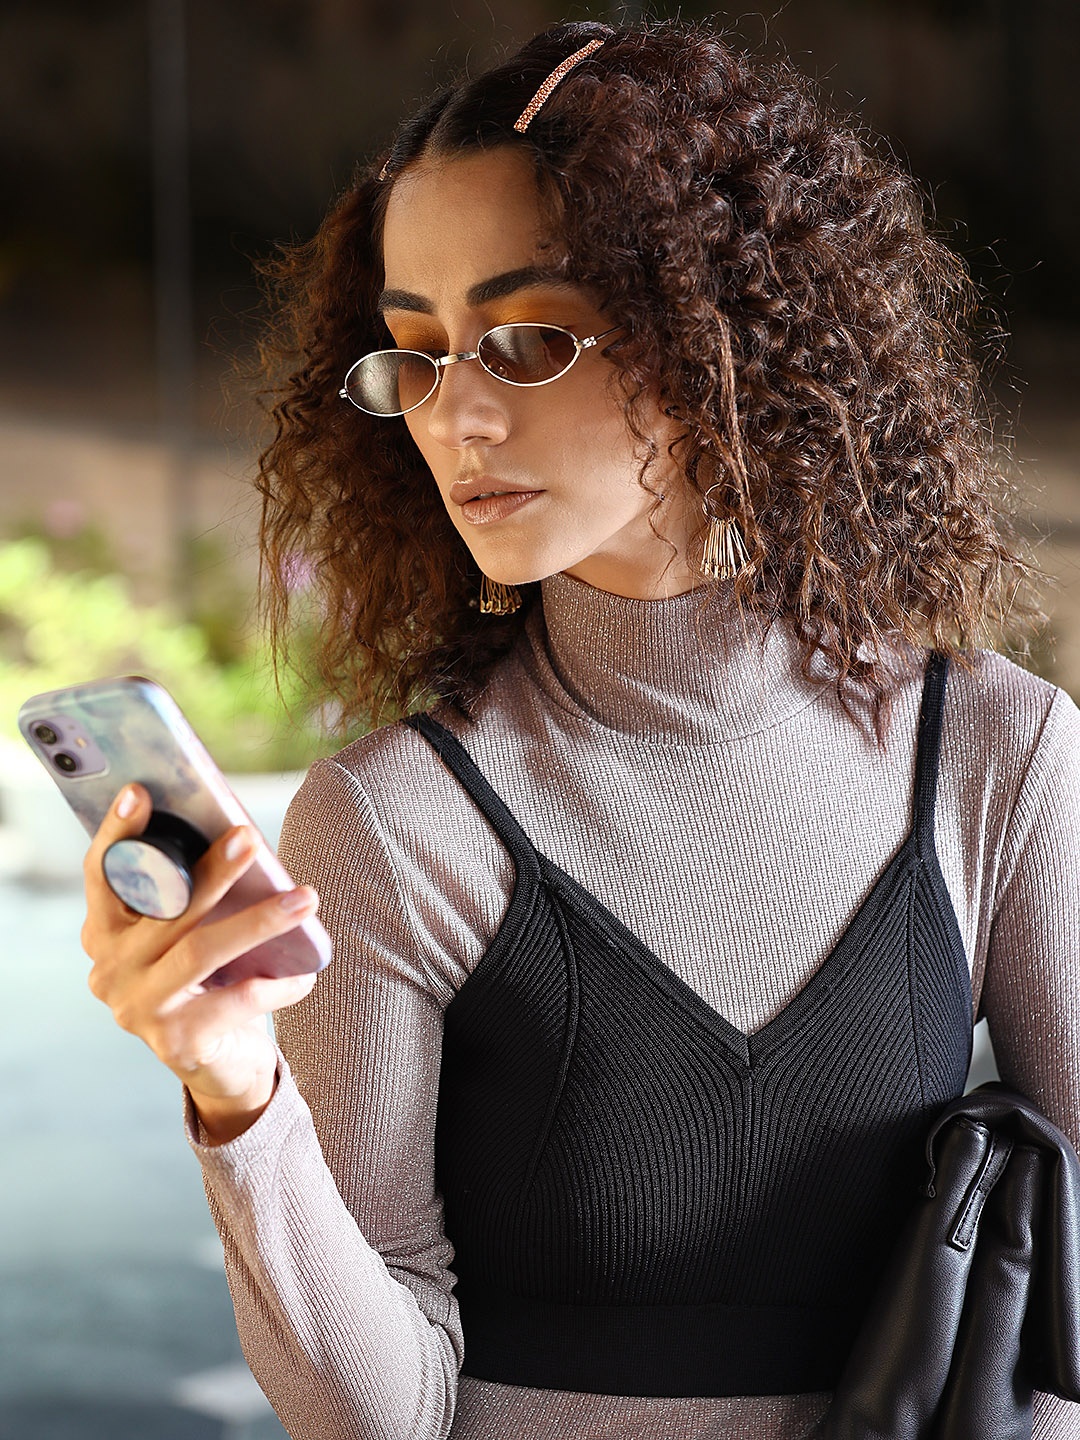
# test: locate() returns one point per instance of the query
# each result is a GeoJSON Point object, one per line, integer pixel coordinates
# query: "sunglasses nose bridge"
{"type": "Point", "coordinates": [441, 361]}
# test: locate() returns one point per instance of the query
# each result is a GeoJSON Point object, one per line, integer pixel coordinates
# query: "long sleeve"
{"type": "Point", "coordinates": [334, 1247]}
{"type": "Point", "coordinates": [1031, 996]}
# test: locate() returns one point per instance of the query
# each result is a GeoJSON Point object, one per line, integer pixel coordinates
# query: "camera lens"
{"type": "Point", "coordinates": [46, 734]}
{"type": "Point", "coordinates": [64, 762]}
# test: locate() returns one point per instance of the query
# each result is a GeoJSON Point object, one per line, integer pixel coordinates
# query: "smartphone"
{"type": "Point", "coordinates": [97, 737]}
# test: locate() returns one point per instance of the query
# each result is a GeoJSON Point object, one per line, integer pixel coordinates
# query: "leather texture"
{"type": "Point", "coordinates": [980, 1304]}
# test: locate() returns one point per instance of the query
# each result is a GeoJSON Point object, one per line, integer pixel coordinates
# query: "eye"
{"type": "Point", "coordinates": [425, 344]}
{"type": "Point", "coordinates": [497, 365]}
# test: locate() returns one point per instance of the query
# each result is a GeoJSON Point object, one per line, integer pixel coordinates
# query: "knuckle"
{"type": "Point", "coordinates": [273, 918]}
{"type": "Point", "coordinates": [172, 1050]}
{"type": "Point", "coordinates": [268, 920]}
{"type": "Point", "coordinates": [184, 953]}
{"type": "Point", "coordinates": [124, 1016]}
{"type": "Point", "coordinates": [95, 931]}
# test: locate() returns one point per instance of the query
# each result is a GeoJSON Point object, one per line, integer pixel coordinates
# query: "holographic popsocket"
{"type": "Point", "coordinates": [151, 872]}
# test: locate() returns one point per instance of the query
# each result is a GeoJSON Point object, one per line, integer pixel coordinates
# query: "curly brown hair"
{"type": "Point", "coordinates": [781, 290]}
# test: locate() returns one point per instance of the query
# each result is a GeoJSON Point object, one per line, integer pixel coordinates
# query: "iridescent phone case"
{"type": "Point", "coordinates": [97, 737]}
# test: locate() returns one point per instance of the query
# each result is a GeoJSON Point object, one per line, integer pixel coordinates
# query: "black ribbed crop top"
{"type": "Point", "coordinates": [642, 1199]}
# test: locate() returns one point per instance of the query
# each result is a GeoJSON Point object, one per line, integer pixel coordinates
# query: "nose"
{"type": "Point", "coordinates": [467, 408]}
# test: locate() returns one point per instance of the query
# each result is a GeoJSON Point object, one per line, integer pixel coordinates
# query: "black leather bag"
{"type": "Point", "coordinates": [980, 1304]}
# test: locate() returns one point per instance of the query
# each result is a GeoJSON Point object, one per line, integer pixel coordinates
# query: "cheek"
{"type": "Point", "coordinates": [589, 421]}
{"type": "Point", "coordinates": [417, 430]}
{"type": "Point", "coordinates": [432, 455]}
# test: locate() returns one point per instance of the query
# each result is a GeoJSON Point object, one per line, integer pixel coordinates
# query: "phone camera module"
{"type": "Point", "coordinates": [64, 743]}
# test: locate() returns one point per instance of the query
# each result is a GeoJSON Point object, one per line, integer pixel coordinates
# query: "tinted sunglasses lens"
{"type": "Point", "coordinates": [527, 354]}
{"type": "Point", "coordinates": [389, 382]}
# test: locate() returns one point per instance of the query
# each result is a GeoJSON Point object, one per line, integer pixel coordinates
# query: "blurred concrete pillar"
{"type": "Point", "coordinates": [1024, 172]}
{"type": "Point", "coordinates": [173, 303]}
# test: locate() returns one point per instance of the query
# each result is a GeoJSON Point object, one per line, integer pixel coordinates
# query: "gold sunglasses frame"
{"type": "Point", "coordinates": [440, 362]}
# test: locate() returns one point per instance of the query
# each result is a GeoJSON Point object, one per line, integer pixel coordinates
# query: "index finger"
{"type": "Point", "coordinates": [127, 815]}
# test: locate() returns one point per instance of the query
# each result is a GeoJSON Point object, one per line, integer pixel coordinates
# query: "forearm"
{"type": "Point", "coordinates": [217, 1119]}
{"type": "Point", "coordinates": [342, 1344]}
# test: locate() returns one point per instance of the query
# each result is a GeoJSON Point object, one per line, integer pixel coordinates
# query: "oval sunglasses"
{"type": "Point", "coordinates": [393, 382]}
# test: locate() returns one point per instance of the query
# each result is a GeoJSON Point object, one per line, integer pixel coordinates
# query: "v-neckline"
{"type": "Point", "coordinates": [748, 1050]}
{"type": "Point", "coordinates": [753, 1048]}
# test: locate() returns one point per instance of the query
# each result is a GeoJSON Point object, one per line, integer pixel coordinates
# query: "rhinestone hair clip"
{"type": "Point", "coordinates": [528, 115]}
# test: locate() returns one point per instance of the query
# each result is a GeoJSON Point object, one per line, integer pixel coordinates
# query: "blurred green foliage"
{"type": "Point", "coordinates": [61, 625]}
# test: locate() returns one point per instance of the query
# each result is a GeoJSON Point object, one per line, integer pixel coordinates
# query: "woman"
{"type": "Point", "coordinates": [656, 980]}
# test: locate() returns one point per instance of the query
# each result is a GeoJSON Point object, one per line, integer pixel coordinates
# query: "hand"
{"type": "Point", "coordinates": [151, 972]}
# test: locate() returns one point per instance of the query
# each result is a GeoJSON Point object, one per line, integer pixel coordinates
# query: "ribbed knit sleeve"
{"type": "Point", "coordinates": [1031, 995]}
{"type": "Point", "coordinates": [334, 1246]}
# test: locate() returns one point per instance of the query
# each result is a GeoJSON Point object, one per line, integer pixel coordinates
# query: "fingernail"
{"type": "Point", "coordinates": [238, 844]}
{"type": "Point", "coordinates": [126, 804]}
{"type": "Point", "coordinates": [296, 900]}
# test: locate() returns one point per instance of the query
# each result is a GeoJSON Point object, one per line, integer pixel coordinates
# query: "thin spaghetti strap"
{"type": "Point", "coordinates": [928, 750]}
{"type": "Point", "coordinates": [464, 768]}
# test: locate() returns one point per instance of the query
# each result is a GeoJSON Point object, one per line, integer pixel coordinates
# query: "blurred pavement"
{"type": "Point", "coordinates": [115, 1319]}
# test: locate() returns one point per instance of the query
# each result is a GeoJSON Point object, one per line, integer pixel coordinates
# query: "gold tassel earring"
{"type": "Point", "coordinates": [725, 550]}
{"type": "Point", "coordinates": [498, 599]}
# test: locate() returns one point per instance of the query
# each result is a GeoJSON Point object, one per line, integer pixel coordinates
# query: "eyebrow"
{"type": "Point", "coordinates": [480, 294]}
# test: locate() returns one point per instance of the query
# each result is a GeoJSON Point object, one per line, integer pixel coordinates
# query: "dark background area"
{"type": "Point", "coordinates": [979, 97]}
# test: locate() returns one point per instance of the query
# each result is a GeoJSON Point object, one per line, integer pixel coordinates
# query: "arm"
{"type": "Point", "coordinates": [338, 1265]}
{"type": "Point", "coordinates": [1031, 996]}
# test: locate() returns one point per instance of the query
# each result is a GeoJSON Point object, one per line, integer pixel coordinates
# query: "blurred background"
{"type": "Point", "coordinates": [149, 151]}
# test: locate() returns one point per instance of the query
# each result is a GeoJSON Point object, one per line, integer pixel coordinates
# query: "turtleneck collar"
{"type": "Point", "coordinates": [688, 668]}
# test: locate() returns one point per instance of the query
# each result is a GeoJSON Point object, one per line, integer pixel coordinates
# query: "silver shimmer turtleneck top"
{"type": "Point", "coordinates": [727, 810]}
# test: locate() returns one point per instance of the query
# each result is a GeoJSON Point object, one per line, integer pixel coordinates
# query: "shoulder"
{"type": "Point", "coordinates": [1015, 738]}
{"type": "Point", "coordinates": [388, 773]}
{"type": "Point", "coordinates": [388, 790]}
{"type": "Point", "coordinates": [998, 689]}
{"type": "Point", "coordinates": [389, 751]}
{"type": "Point", "coordinates": [1003, 713]}
{"type": "Point", "coordinates": [398, 773]}
{"type": "Point", "coordinates": [395, 846]}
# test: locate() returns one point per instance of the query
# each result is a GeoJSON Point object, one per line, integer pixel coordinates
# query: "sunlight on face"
{"type": "Point", "coordinates": [540, 479]}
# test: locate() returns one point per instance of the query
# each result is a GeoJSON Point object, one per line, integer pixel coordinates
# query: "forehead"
{"type": "Point", "coordinates": [450, 223]}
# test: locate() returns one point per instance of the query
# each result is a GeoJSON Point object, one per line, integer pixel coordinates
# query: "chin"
{"type": "Point", "coordinates": [523, 572]}
{"type": "Point", "coordinates": [517, 578]}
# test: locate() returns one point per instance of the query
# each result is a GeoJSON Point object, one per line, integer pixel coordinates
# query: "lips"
{"type": "Point", "coordinates": [462, 491]}
{"type": "Point", "coordinates": [485, 499]}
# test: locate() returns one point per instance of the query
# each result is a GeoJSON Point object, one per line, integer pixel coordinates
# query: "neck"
{"type": "Point", "coordinates": [687, 667]}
